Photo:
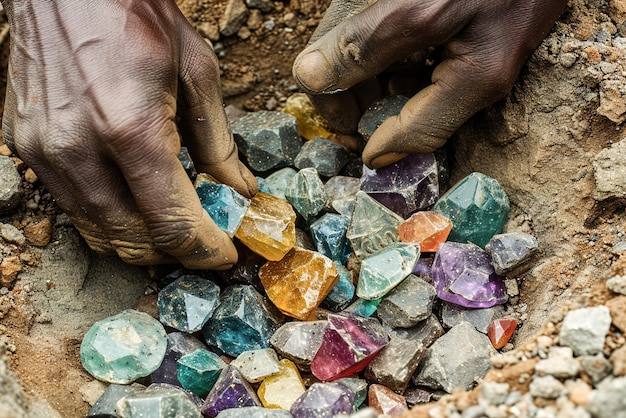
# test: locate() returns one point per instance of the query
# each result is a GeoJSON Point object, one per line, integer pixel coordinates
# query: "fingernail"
{"type": "Point", "coordinates": [313, 72]}
{"type": "Point", "coordinates": [386, 159]}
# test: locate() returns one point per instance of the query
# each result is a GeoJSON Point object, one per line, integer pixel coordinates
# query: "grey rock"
{"type": "Point", "coordinates": [547, 387]}
{"type": "Point", "coordinates": [474, 411]}
{"type": "Point", "coordinates": [494, 393]}
{"type": "Point", "coordinates": [364, 413]}
{"type": "Point", "coordinates": [511, 250]}
{"type": "Point", "coordinates": [235, 15]}
{"type": "Point", "coordinates": [452, 314]}
{"type": "Point", "coordinates": [597, 367]}
{"type": "Point", "coordinates": [378, 112]}
{"type": "Point", "coordinates": [408, 304]}
{"type": "Point", "coordinates": [325, 156]}
{"type": "Point", "coordinates": [425, 333]}
{"type": "Point", "coordinates": [10, 186]}
{"type": "Point", "coordinates": [608, 401]}
{"type": "Point", "coordinates": [11, 234]}
{"type": "Point", "coordinates": [105, 406]}
{"type": "Point", "coordinates": [560, 364]}
{"type": "Point", "coordinates": [265, 6]}
{"type": "Point", "coordinates": [254, 412]}
{"type": "Point", "coordinates": [617, 284]}
{"type": "Point", "coordinates": [584, 330]}
{"type": "Point", "coordinates": [299, 341]}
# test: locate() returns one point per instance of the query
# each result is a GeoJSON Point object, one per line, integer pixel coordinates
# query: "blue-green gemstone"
{"type": "Point", "coordinates": [329, 236]}
{"type": "Point", "coordinates": [357, 386]}
{"type": "Point", "coordinates": [278, 180]}
{"type": "Point", "coordinates": [225, 206]}
{"type": "Point", "coordinates": [263, 186]}
{"type": "Point", "coordinates": [363, 307]}
{"type": "Point", "coordinates": [305, 191]}
{"type": "Point", "coordinates": [198, 371]}
{"type": "Point", "coordinates": [342, 294]}
{"type": "Point", "coordinates": [386, 269]}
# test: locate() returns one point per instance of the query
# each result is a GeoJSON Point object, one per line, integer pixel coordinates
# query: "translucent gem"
{"type": "Point", "coordinates": [185, 160]}
{"type": "Point", "coordinates": [478, 208]}
{"type": "Point", "coordinates": [178, 345]}
{"type": "Point", "coordinates": [310, 123]}
{"type": "Point", "coordinates": [198, 371]}
{"type": "Point", "coordinates": [187, 303]}
{"type": "Point", "coordinates": [323, 400]}
{"type": "Point", "coordinates": [262, 184]}
{"type": "Point", "coordinates": [299, 282]}
{"type": "Point", "coordinates": [329, 236]}
{"type": "Point", "coordinates": [305, 191]}
{"type": "Point", "coordinates": [342, 293]}
{"type": "Point", "coordinates": [123, 347]}
{"type": "Point", "coordinates": [500, 331]}
{"type": "Point", "coordinates": [509, 251]}
{"type": "Point", "coordinates": [324, 156]}
{"type": "Point", "coordinates": [197, 401]}
{"type": "Point", "coordinates": [384, 270]}
{"type": "Point", "coordinates": [363, 307]}
{"type": "Point", "coordinates": [278, 181]}
{"type": "Point", "coordinates": [230, 391]}
{"type": "Point", "coordinates": [268, 228]}
{"type": "Point", "coordinates": [385, 401]}
{"type": "Point", "coordinates": [405, 186]}
{"type": "Point", "coordinates": [394, 365]}
{"type": "Point", "coordinates": [340, 194]}
{"type": "Point", "coordinates": [348, 345]}
{"type": "Point", "coordinates": [372, 226]}
{"type": "Point", "coordinates": [256, 365]}
{"type": "Point", "coordinates": [299, 341]}
{"type": "Point", "coordinates": [282, 389]}
{"type": "Point", "coordinates": [225, 206]}
{"type": "Point", "coordinates": [243, 321]}
{"type": "Point", "coordinates": [428, 229]}
{"type": "Point", "coordinates": [357, 386]}
{"type": "Point", "coordinates": [462, 274]}
{"type": "Point", "coordinates": [378, 112]}
{"type": "Point", "coordinates": [267, 139]}
{"type": "Point", "coordinates": [170, 403]}
{"type": "Point", "coordinates": [408, 304]}
{"type": "Point", "coordinates": [105, 405]}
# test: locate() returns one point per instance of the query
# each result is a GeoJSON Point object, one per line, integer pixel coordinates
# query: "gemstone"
{"type": "Point", "coordinates": [198, 371]}
{"type": "Point", "coordinates": [282, 389]}
{"type": "Point", "coordinates": [342, 293]}
{"type": "Point", "coordinates": [405, 186]}
{"type": "Point", "coordinates": [268, 228]}
{"type": "Point", "coordinates": [408, 304]}
{"type": "Point", "coordinates": [169, 403]}
{"type": "Point", "coordinates": [230, 391]}
{"type": "Point", "coordinates": [178, 345]}
{"type": "Point", "coordinates": [500, 331]}
{"type": "Point", "coordinates": [511, 250]}
{"type": "Point", "coordinates": [187, 303]}
{"type": "Point", "coordinates": [424, 267]}
{"type": "Point", "coordinates": [349, 343]}
{"type": "Point", "coordinates": [243, 321]}
{"type": "Point", "coordinates": [357, 386]}
{"type": "Point", "coordinates": [278, 180]}
{"type": "Point", "coordinates": [256, 365]}
{"type": "Point", "coordinates": [323, 155]}
{"type": "Point", "coordinates": [385, 401]}
{"type": "Point", "coordinates": [329, 236]}
{"type": "Point", "coordinates": [310, 123]}
{"type": "Point", "coordinates": [372, 226]}
{"type": "Point", "coordinates": [262, 185]}
{"type": "Point", "coordinates": [305, 191]}
{"type": "Point", "coordinates": [105, 405]}
{"type": "Point", "coordinates": [384, 270]}
{"type": "Point", "coordinates": [223, 204]}
{"type": "Point", "coordinates": [187, 163]}
{"type": "Point", "coordinates": [478, 208]}
{"type": "Point", "coordinates": [378, 112]}
{"type": "Point", "coordinates": [299, 341]}
{"type": "Point", "coordinates": [394, 365]}
{"type": "Point", "coordinates": [254, 412]}
{"type": "Point", "coordinates": [341, 193]}
{"type": "Point", "coordinates": [267, 139]}
{"type": "Point", "coordinates": [123, 347]}
{"type": "Point", "coordinates": [462, 274]}
{"type": "Point", "coordinates": [363, 307]}
{"type": "Point", "coordinates": [299, 282]}
{"type": "Point", "coordinates": [323, 400]}
{"type": "Point", "coordinates": [428, 229]}
{"type": "Point", "coordinates": [197, 401]}
{"type": "Point", "coordinates": [425, 333]}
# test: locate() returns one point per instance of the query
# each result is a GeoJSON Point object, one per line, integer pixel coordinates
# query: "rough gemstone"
{"type": "Point", "coordinates": [256, 365]}
{"type": "Point", "coordinates": [511, 250]}
{"type": "Point", "coordinates": [262, 185]}
{"type": "Point", "coordinates": [462, 274]}
{"type": "Point", "coordinates": [299, 282]}
{"type": "Point", "coordinates": [357, 386]}
{"type": "Point", "coordinates": [230, 391]}
{"type": "Point", "coordinates": [385, 401]}
{"type": "Point", "coordinates": [198, 371]}
{"type": "Point", "coordinates": [198, 401]}
{"type": "Point", "coordinates": [282, 389]}
{"type": "Point", "coordinates": [384, 270]}
{"type": "Point", "coordinates": [409, 303]}
{"type": "Point", "coordinates": [478, 208]}
{"type": "Point", "coordinates": [254, 412]}
{"type": "Point", "coordinates": [105, 405]}
{"type": "Point", "coordinates": [425, 333]}
{"type": "Point", "coordinates": [187, 303]}
{"type": "Point", "coordinates": [378, 112]}
{"type": "Point", "coordinates": [405, 186]}
{"type": "Point", "coordinates": [428, 229]}
{"type": "Point", "coordinates": [323, 155]}
{"type": "Point", "coordinates": [329, 236]}
{"type": "Point", "coordinates": [123, 347]}
{"type": "Point", "coordinates": [243, 321]}
{"type": "Point", "coordinates": [363, 307]}
{"type": "Point", "coordinates": [223, 204]}
{"type": "Point", "coordinates": [305, 191]}
{"type": "Point", "coordinates": [452, 314]}
{"type": "Point", "coordinates": [267, 139]}
{"type": "Point", "coordinates": [372, 226]}
{"type": "Point", "coordinates": [340, 194]}
{"type": "Point", "coordinates": [268, 228]}
{"type": "Point", "coordinates": [299, 341]}
{"type": "Point", "coordinates": [178, 345]}
{"type": "Point", "coordinates": [168, 403]}
{"type": "Point", "coordinates": [424, 268]}
{"type": "Point", "coordinates": [323, 400]}
{"type": "Point", "coordinates": [342, 293]}
{"type": "Point", "coordinates": [278, 180]}
{"type": "Point", "coordinates": [349, 343]}
{"type": "Point", "coordinates": [310, 123]}
{"type": "Point", "coordinates": [500, 331]}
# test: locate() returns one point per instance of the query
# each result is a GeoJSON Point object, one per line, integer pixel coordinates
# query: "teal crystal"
{"type": "Point", "coordinates": [278, 180]}
{"type": "Point", "coordinates": [187, 303]}
{"type": "Point", "coordinates": [198, 371]}
{"type": "Point", "coordinates": [372, 226]}
{"type": "Point", "coordinates": [225, 206]}
{"type": "Point", "coordinates": [478, 208]}
{"type": "Point", "coordinates": [124, 347]}
{"type": "Point", "coordinates": [329, 236]}
{"type": "Point", "coordinates": [263, 186]}
{"type": "Point", "coordinates": [383, 271]}
{"type": "Point", "coordinates": [162, 403]}
{"type": "Point", "coordinates": [342, 294]}
{"type": "Point", "coordinates": [323, 155]}
{"type": "Point", "coordinates": [363, 307]}
{"type": "Point", "coordinates": [305, 191]}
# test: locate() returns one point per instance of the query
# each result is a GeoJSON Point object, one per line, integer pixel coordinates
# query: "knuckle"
{"type": "Point", "coordinates": [177, 233]}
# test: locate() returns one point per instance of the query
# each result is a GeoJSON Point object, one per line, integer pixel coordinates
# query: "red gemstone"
{"type": "Point", "coordinates": [500, 331]}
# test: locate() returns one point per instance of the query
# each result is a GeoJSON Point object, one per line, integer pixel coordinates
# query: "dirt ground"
{"type": "Point", "coordinates": [560, 146]}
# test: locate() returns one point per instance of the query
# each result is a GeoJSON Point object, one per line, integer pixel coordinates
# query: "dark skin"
{"type": "Point", "coordinates": [102, 93]}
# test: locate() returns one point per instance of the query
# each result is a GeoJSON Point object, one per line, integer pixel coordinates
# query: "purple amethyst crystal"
{"type": "Point", "coordinates": [230, 391]}
{"type": "Point", "coordinates": [323, 400]}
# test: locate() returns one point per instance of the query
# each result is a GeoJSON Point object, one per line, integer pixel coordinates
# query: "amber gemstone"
{"type": "Point", "coordinates": [500, 331]}
{"type": "Point", "coordinates": [428, 229]}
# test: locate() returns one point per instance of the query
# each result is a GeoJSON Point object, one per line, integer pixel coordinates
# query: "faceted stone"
{"type": "Point", "coordinates": [230, 391]}
{"type": "Point", "coordinates": [105, 405]}
{"type": "Point", "coordinates": [409, 303]}
{"type": "Point", "coordinates": [254, 412]}
{"type": "Point", "coordinates": [198, 371]}
{"type": "Point", "coordinates": [299, 341]}
{"type": "Point", "coordinates": [453, 314]}
{"type": "Point", "coordinates": [584, 330]}
{"type": "Point", "coordinates": [478, 208]}
{"type": "Point", "coordinates": [267, 139]}
{"type": "Point", "coordinates": [187, 163]}
{"type": "Point", "coordinates": [305, 191]}
{"type": "Point", "coordinates": [11, 190]}
{"type": "Point", "coordinates": [378, 112]}
{"type": "Point", "coordinates": [405, 186]}
{"type": "Point", "coordinates": [323, 400]}
{"type": "Point", "coordinates": [171, 403]}
{"type": "Point", "coordinates": [511, 250]}
{"type": "Point", "coordinates": [372, 226]}
{"type": "Point", "coordinates": [384, 270]}
{"type": "Point", "coordinates": [500, 331]}
{"type": "Point", "coordinates": [263, 186]}
{"type": "Point", "coordinates": [340, 194]}
{"type": "Point", "coordinates": [342, 293]}
{"type": "Point", "coordinates": [245, 270]}
{"type": "Point", "coordinates": [428, 229]}
{"type": "Point", "coordinates": [363, 307]}
{"type": "Point", "coordinates": [197, 401]}
{"type": "Point", "coordinates": [282, 389]}
{"type": "Point", "coordinates": [329, 236]}
{"type": "Point", "coordinates": [256, 365]}
{"type": "Point", "coordinates": [243, 321]}
{"type": "Point", "coordinates": [349, 343]}
{"type": "Point", "coordinates": [425, 333]}
{"type": "Point", "coordinates": [187, 303]}
{"type": "Point", "coordinates": [123, 347]}
{"type": "Point", "coordinates": [278, 181]}
{"type": "Point", "coordinates": [323, 155]}
{"type": "Point", "coordinates": [385, 401]}
{"type": "Point", "coordinates": [178, 345]}
{"type": "Point", "coordinates": [268, 228]}
{"type": "Point", "coordinates": [223, 204]}
{"type": "Point", "coordinates": [310, 123]}
{"type": "Point", "coordinates": [357, 386]}
{"type": "Point", "coordinates": [462, 274]}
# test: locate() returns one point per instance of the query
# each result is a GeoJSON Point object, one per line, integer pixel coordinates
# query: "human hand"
{"type": "Point", "coordinates": [485, 43]}
{"type": "Point", "coordinates": [92, 108]}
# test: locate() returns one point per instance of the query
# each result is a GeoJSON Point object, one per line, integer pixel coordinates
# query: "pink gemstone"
{"type": "Point", "coordinates": [428, 229]}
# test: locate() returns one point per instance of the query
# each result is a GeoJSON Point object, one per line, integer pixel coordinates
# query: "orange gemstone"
{"type": "Point", "coordinates": [385, 401]}
{"type": "Point", "coordinates": [500, 331]}
{"type": "Point", "coordinates": [428, 229]}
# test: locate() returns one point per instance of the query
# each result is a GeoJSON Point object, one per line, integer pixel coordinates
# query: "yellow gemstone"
{"type": "Point", "coordinates": [268, 228]}
{"type": "Point", "coordinates": [310, 123]}
{"type": "Point", "coordinates": [281, 390]}
{"type": "Point", "coordinates": [428, 229]}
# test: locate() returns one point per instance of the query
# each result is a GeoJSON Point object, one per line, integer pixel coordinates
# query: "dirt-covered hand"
{"type": "Point", "coordinates": [484, 44]}
{"type": "Point", "coordinates": [95, 92]}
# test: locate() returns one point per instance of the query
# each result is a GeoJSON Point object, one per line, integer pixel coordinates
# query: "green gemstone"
{"type": "Point", "coordinates": [305, 191]}
{"type": "Point", "coordinates": [386, 269]}
{"type": "Point", "coordinates": [198, 371]}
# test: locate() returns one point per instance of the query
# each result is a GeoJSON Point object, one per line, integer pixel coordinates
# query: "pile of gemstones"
{"type": "Point", "coordinates": [332, 305]}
